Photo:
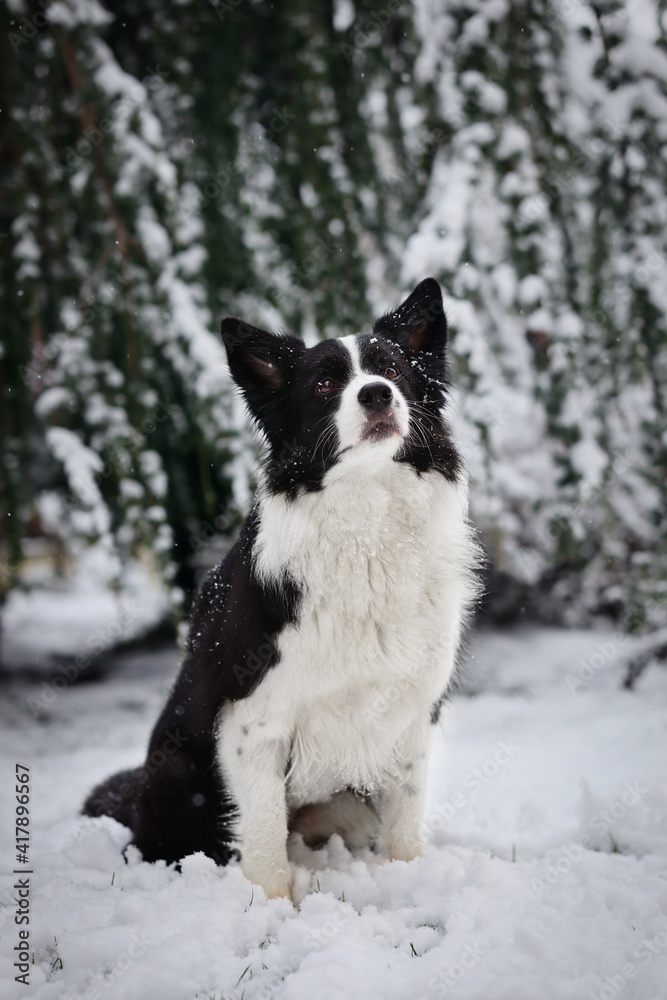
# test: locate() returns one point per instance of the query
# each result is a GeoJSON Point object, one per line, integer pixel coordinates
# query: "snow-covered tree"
{"type": "Point", "coordinates": [302, 165]}
{"type": "Point", "coordinates": [163, 168]}
{"type": "Point", "coordinates": [544, 217]}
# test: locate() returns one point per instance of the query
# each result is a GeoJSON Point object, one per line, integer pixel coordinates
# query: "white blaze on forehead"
{"type": "Point", "coordinates": [350, 342]}
{"type": "Point", "coordinates": [351, 416]}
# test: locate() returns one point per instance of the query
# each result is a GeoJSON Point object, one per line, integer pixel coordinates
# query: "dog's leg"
{"type": "Point", "coordinates": [253, 766]}
{"type": "Point", "coordinates": [404, 796]}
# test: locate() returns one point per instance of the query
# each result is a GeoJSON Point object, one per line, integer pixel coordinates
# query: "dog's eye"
{"type": "Point", "coordinates": [326, 385]}
{"type": "Point", "coordinates": [391, 372]}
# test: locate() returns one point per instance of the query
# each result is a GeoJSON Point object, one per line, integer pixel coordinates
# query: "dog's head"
{"type": "Point", "coordinates": [354, 404]}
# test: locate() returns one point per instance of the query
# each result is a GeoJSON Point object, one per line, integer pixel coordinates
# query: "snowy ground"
{"type": "Point", "coordinates": [82, 617]}
{"type": "Point", "coordinates": [545, 875]}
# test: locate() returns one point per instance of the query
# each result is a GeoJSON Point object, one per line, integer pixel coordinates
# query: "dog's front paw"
{"type": "Point", "coordinates": [276, 881]}
{"type": "Point", "coordinates": [279, 890]}
{"type": "Point", "coordinates": [405, 851]}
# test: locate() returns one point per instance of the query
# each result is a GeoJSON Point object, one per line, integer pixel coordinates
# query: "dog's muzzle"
{"type": "Point", "coordinates": [377, 400]}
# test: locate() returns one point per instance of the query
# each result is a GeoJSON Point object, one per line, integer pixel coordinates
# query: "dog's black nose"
{"type": "Point", "coordinates": [375, 396]}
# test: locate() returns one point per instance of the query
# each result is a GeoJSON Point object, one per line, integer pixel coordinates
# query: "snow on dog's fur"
{"type": "Point", "coordinates": [321, 648]}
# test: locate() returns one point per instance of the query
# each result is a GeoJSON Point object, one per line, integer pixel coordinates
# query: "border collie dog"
{"type": "Point", "coordinates": [321, 648]}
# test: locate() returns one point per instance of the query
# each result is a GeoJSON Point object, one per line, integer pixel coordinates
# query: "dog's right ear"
{"type": "Point", "coordinates": [260, 362]}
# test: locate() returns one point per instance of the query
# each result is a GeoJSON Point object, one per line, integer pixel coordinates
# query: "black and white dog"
{"type": "Point", "coordinates": [321, 648]}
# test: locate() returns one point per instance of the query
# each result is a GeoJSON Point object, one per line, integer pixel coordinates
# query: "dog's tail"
{"type": "Point", "coordinates": [116, 797]}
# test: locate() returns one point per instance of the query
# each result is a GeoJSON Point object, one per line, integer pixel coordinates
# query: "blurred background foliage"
{"type": "Point", "coordinates": [303, 165]}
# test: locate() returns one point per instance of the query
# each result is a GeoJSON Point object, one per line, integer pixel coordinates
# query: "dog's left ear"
{"type": "Point", "coordinates": [419, 324]}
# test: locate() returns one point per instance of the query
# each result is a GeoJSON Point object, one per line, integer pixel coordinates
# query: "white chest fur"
{"type": "Point", "coordinates": [384, 565]}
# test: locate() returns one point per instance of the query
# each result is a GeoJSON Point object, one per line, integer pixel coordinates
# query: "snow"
{"type": "Point", "coordinates": [487, 181]}
{"type": "Point", "coordinates": [81, 465]}
{"type": "Point", "coordinates": [73, 621]}
{"type": "Point", "coordinates": [71, 13]}
{"type": "Point", "coordinates": [544, 874]}
{"type": "Point", "coordinates": [546, 824]}
{"type": "Point", "coordinates": [343, 14]}
{"type": "Point", "coordinates": [589, 460]}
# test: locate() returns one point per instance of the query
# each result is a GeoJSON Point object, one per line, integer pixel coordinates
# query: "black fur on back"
{"type": "Point", "coordinates": [175, 804]}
